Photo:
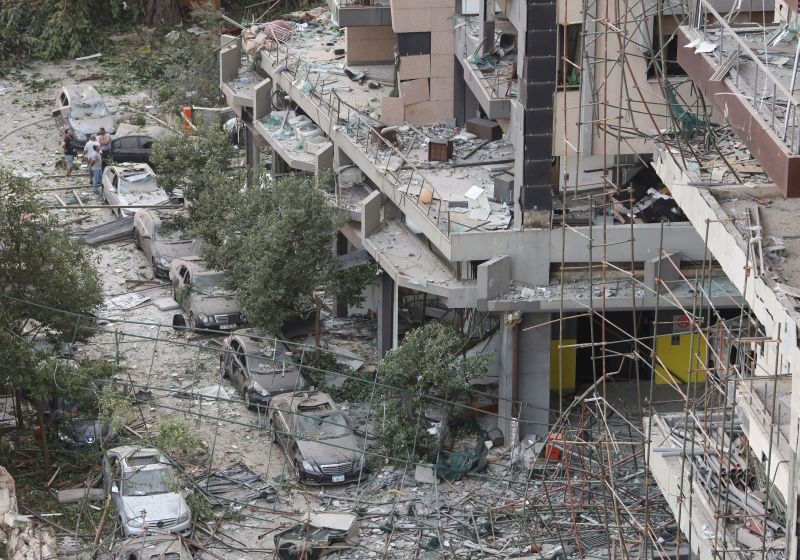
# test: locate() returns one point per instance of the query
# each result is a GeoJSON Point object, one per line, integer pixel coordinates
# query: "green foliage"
{"type": "Point", "coordinates": [181, 67]}
{"type": "Point", "coordinates": [115, 409]}
{"type": "Point", "coordinates": [173, 435]}
{"type": "Point", "coordinates": [40, 263]}
{"type": "Point", "coordinates": [53, 29]}
{"type": "Point", "coordinates": [195, 163]}
{"type": "Point", "coordinates": [313, 366]}
{"type": "Point", "coordinates": [200, 506]}
{"type": "Point", "coordinates": [429, 365]}
{"type": "Point", "coordinates": [273, 239]}
{"type": "Point", "coordinates": [138, 120]}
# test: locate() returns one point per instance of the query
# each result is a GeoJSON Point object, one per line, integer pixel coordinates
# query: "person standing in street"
{"type": "Point", "coordinates": [96, 168]}
{"type": "Point", "coordinates": [69, 150]}
{"type": "Point", "coordinates": [88, 150]}
{"type": "Point", "coordinates": [104, 139]}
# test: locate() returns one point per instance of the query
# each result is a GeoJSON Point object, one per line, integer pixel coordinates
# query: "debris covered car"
{"type": "Point", "coordinates": [134, 143]}
{"type": "Point", "coordinates": [322, 534]}
{"type": "Point", "coordinates": [131, 184]}
{"type": "Point", "coordinates": [316, 438]}
{"type": "Point", "coordinates": [161, 244]}
{"type": "Point", "coordinates": [203, 298]}
{"type": "Point", "coordinates": [81, 109]}
{"type": "Point", "coordinates": [258, 367]}
{"type": "Point", "coordinates": [151, 547]}
{"type": "Point", "coordinates": [143, 487]}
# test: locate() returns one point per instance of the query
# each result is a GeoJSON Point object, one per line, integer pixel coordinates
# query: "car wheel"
{"type": "Point", "coordinates": [273, 432]}
{"type": "Point", "coordinates": [223, 372]}
{"type": "Point", "coordinates": [246, 398]}
{"type": "Point", "coordinates": [191, 321]}
{"type": "Point", "coordinates": [153, 264]}
{"type": "Point", "coordinates": [121, 528]}
{"type": "Point", "coordinates": [297, 471]}
{"type": "Point", "coordinates": [137, 242]}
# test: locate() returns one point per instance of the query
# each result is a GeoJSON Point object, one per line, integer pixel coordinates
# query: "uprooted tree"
{"type": "Point", "coordinates": [274, 241]}
{"type": "Point", "coordinates": [48, 286]}
{"type": "Point", "coordinates": [427, 373]}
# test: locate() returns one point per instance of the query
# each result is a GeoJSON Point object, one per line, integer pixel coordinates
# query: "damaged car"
{"type": "Point", "coordinates": [143, 487]}
{"type": "Point", "coordinates": [81, 109]}
{"type": "Point", "coordinates": [204, 300]}
{"type": "Point", "coordinates": [160, 243]}
{"type": "Point", "coordinates": [152, 547]}
{"type": "Point", "coordinates": [320, 535]}
{"type": "Point", "coordinates": [134, 143]}
{"type": "Point", "coordinates": [316, 438]}
{"type": "Point", "coordinates": [130, 185]}
{"type": "Point", "coordinates": [258, 367]}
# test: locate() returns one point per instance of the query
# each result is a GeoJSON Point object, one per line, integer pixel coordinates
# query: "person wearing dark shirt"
{"type": "Point", "coordinates": [69, 150]}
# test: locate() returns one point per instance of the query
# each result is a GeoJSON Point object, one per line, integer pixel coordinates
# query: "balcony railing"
{"type": "Point", "coordinates": [770, 97]}
{"type": "Point", "coordinates": [360, 126]}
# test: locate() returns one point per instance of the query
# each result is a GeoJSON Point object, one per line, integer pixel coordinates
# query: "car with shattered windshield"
{"type": "Point", "coordinates": [204, 299]}
{"type": "Point", "coordinates": [130, 185]}
{"type": "Point", "coordinates": [144, 492]}
{"type": "Point", "coordinates": [259, 367]}
{"type": "Point", "coordinates": [316, 438]}
{"type": "Point", "coordinates": [162, 241]}
{"type": "Point", "coordinates": [81, 109]}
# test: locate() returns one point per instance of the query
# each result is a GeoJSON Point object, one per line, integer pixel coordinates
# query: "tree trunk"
{"type": "Point", "coordinates": [18, 409]}
{"type": "Point", "coordinates": [163, 12]}
{"type": "Point", "coordinates": [43, 433]}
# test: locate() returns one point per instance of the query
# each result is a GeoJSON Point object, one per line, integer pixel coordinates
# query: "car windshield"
{"type": "Point", "coordinates": [325, 425]}
{"type": "Point", "coordinates": [89, 110]}
{"type": "Point", "coordinates": [209, 281]}
{"type": "Point", "coordinates": [138, 182]}
{"type": "Point", "coordinates": [144, 482]}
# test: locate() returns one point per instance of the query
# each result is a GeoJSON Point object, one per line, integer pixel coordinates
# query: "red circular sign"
{"type": "Point", "coordinates": [684, 322]}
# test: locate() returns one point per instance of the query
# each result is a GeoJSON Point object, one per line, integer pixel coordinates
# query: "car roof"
{"type": "Point", "coordinates": [154, 131]}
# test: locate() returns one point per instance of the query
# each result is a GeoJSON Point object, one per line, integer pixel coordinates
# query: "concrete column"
{"type": "Point", "coordinates": [525, 375]}
{"type": "Point", "coordinates": [385, 315]}
{"type": "Point", "coordinates": [279, 167]}
{"type": "Point", "coordinates": [533, 376]}
{"type": "Point", "coordinates": [252, 152]}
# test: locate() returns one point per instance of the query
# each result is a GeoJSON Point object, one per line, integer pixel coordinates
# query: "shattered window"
{"type": "Point", "coordinates": [329, 425]}
{"type": "Point", "coordinates": [89, 110]}
{"type": "Point", "coordinates": [209, 280]}
{"type": "Point", "coordinates": [147, 482]}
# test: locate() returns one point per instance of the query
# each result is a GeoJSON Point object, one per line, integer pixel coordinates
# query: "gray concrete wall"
{"type": "Point", "coordinates": [533, 377]}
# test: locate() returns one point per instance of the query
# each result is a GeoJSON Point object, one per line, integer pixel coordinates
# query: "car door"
{"type": "Point", "coordinates": [62, 106]}
{"type": "Point", "coordinates": [109, 181]}
{"type": "Point", "coordinates": [126, 149]}
{"type": "Point", "coordinates": [146, 149]}
{"type": "Point", "coordinates": [283, 424]}
{"type": "Point", "coordinates": [237, 373]}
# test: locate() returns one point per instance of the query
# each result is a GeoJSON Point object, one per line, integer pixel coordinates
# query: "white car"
{"type": "Point", "coordinates": [131, 185]}
{"type": "Point", "coordinates": [143, 491]}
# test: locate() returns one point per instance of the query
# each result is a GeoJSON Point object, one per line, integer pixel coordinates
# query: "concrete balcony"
{"type": "Point", "coordinates": [491, 85]}
{"type": "Point", "coordinates": [360, 14]}
{"type": "Point", "coordinates": [738, 75]}
{"type": "Point", "coordinates": [310, 153]}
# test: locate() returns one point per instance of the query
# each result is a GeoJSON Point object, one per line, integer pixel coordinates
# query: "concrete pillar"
{"type": "Point", "coordinates": [465, 104]}
{"type": "Point", "coordinates": [385, 315]}
{"type": "Point", "coordinates": [527, 351]}
{"type": "Point", "coordinates": [252, 152]}
{"type": "Point", "coordinates": [279, 167]}
{"type": "Point", "coordinates": [533, 376]}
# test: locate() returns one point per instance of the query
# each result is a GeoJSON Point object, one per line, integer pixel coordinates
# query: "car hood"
{"type": "Point", "coordinates": [145, 199]}
{"type": "Point", "coordinates": [214, 305]}
{"type": "Point", "coordinates": [93, 125]}
{"type": "Point", "coordinates": [330, 450]}
{"type": "Point", "coordinates": [85, 431]}
{"type": "Point", "coordinates": [161, 506]}
{"type": "Point", "coordinates": [176, 249]}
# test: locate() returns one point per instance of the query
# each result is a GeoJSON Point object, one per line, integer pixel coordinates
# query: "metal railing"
{"type": "Point", "coordinates": [362, 129]}
{"type": "Point", "coordinates": [768, 94]}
